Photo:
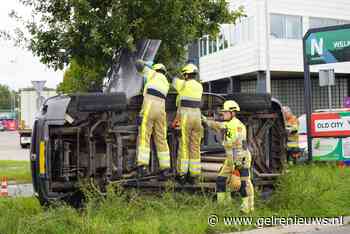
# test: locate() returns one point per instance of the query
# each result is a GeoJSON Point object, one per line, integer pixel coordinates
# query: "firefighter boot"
{"type": "Point", "coordinates": [251, 203]}
{"type": "Point", "coordinates": [228, 197]}
{"type": "Point", "coordinates": [245, 208]}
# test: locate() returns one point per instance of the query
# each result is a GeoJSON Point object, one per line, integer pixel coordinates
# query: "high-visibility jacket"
{"type": "Point", "coordinates": [293, 126]}
{"type": "Point", "coordinates": [190, 92]}
{"type": "Point", "coordinates": [156, 83]}
{"type": "Point", "coordinates": [235, 132]}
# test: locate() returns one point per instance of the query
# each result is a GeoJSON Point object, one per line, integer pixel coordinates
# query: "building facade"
{"type": "Point", "coordinates": [270, 38]}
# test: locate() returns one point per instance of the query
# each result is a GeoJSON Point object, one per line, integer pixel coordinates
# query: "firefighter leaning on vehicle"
{"type": "Point", "coordinates": [190, 92]}
{"type": "Point", "coordinates": [153, 118]}
{"type": "Point", "coordinates": [235, 172]}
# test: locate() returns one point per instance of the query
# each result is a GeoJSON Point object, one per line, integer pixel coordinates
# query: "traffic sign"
{"type": "Point", "coordinates": [322, 46]}
{"type": "Point", "coordinates": [330, 124]}
{"type": "Point", "coordinates": [330, 46]}
{"type": "Point", "coordinates": [327, 77]}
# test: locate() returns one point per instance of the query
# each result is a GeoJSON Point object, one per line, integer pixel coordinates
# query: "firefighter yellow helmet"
{"type": "Point", "coordinates": [190, 68]}
{"type": "Point", "coordinates": [159, 67]}
{"type": "Point", "coordinates": [231, 106]}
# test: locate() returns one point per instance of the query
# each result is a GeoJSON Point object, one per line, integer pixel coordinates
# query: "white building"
{"type": "Point", "coordinates": [237, 59]}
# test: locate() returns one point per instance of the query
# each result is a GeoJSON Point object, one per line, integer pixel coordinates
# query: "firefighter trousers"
{"type": "Point", "coordinates": [153, 122]}
{"type": "Point", "coordinates": [242, 162]}
{"type": "Point", "coordinates": [189, 144]}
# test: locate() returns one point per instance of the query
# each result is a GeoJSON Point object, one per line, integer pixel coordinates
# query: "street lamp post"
{"type": "Point", "coordinates": [39, 87]}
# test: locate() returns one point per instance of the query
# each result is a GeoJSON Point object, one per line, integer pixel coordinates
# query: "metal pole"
{"type": "Point", "coordinates": [267, 51]}
{"type": "Point", "coordinates": [199, 49]}
{"type": "Point", "coordinates": [267, 78]}
{"type": "Point", "coordinates": [330, 97]}
{"type": "Point", "coordinates": [307, 101]}
{"type": "Point", "coordinates": [11, 101]}
{"type": "Point", "coordinates": [14, 101]}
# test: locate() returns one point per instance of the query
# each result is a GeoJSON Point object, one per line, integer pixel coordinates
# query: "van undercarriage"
{"type": "Point", "coordinates": [93, 137]}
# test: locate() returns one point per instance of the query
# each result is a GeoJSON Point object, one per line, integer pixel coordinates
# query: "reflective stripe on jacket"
{"type": "Point", "coordinates": [155, 81]}
{"type": "Point", "coordinates": [189, 91]}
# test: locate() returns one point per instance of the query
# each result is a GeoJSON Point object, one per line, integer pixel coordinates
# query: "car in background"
{"type": "Point", "coordinates": [10, 124]}
{"type": "Point", "coordinates": [9, 120]}
{"type": "Point", "coordinates": [2, 128]}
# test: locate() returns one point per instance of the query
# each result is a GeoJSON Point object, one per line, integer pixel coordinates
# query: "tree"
{"type": "Point", "coordinates": [5, 97]}
{"type": "Point", "coordinates": [89, 31]}
{"type": "Point", "coordinates": [79, 78]}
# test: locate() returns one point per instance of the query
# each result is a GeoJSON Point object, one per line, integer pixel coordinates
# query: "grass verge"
{"type": "Point", "coordinates": [313, 190]}
{"type": "Point", "coordinates": [18, 171]}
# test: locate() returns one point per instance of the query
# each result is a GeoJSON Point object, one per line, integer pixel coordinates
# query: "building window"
{"type": "Point", "coordinates": [286, 26]}
{"type": "Point", "coordinates": [241, 32]}
{"type": "Point", "coordinates": [222, 42]}
{"type": "Point", "coordinates": [229, 36]}
{"type": "Point", "coordinates": [212, 45]}
{"type": "Point", "coordinates": [203, 46]}
{"type": "Point", "coordinates": [277, 29]}
{"type": "Point", "coordinates": [325, 22]}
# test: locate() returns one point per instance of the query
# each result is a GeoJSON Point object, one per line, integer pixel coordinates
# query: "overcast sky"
{"type": "Point", "coordinates": [18, 66]}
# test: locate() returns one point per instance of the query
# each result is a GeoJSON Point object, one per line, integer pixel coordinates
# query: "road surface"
{"type": "Point", "coordinates": [304, 229]}
{"type": "Point", "coordinates": [339, 230]}
{"type": "Point", "coordinates": [20, 190]}
{"type": "Point", "coordinates": [10, 148]}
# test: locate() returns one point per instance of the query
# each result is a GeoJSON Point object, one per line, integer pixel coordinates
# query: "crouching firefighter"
{"type": "Point", "coordinates": [190, 92]}
{"type": "Point", "coordinates": [238, 158]}
{"type": "Point", "coordinates": [153, 118]}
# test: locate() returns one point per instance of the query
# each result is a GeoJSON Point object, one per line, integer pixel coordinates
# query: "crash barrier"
{"type": "Point", "coordinates": [4, 187]}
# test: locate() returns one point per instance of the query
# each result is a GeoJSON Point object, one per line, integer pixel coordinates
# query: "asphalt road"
{"type": "Point", "coordinates": [10, 148]}
{"type": "Point", "coordinates": [337, 230]}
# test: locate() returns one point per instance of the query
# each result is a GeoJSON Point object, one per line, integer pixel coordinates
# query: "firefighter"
{"type": "Point", "coordinates": [238, 158]}
{"type": "Point", "coordinates": [153, 118]}
{"type": "Point", "coordinates": [190, 92]}
{"type": "Point", "coordinates": [292, 125]}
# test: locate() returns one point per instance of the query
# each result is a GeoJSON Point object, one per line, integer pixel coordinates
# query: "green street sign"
{"type": "Point", "coordinates": [322, 46]}
{"type": "Point", "coordinates": [331, 46]}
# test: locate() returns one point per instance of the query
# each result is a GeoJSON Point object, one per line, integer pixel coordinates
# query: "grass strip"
{"type": "Point", "coordinates": [305, 191]}
{"type": "Point", "coordinates": [18, 171]}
